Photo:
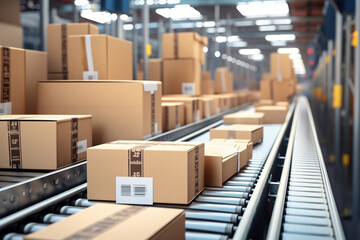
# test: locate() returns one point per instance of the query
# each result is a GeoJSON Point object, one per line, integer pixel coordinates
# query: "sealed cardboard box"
{"type": "Point", "coordinates": [193, 106]}
{"type": "Point", "coordinates": [221, 163]}
{"type": "Point", "coordinates": [264, 102]}
{"type": "Point", "coordinates": [210, 106]}
{"type": "Point", "coordinates": [207, 87]}
{"type": "Point", "coordinates": [219, 102]}
{"type": "Point", "coordinates": [242, 97]}
{"type": "Point", "coordinates": [57, 43]}
{"type": "Point", "coordinates": [99, 57]}
{"type": "Point", "coordinates": [57, 76]}
{"type": "Point", "coordinates": [117, 222]}
{"type": "Point", "coordinates": [254, 96]}
{"type": "Point", "coordinates": [10, 12]}
{"type": "Point", "coordinates": [120, 109]}
{"type": "Point", "coordinates": [43, 142]}
{"type": "Point", "coordinates": [266, 90]}
{"type": "Point", "coordinates": [21, 72]}
{"type": "Point", "coordinates": [154, 72]}
{"type": "Point", "coordinates": [173, 115]}
{"type": "Point", "coordinates": [236, 142]}
{"type": "Point", "coordinates": [227, 100]}
{"type": "Point", "coordinates": [273, 114]}
{"type": "Point", "coordinates": [13, 36]}
{"type": "Point", "coordinates": [254, 133]}
{"type": "Point", "coordinates": [223, 81]}
{"type": "Point", "coordinates": [244, 118]}
{"type": "Point", "coordinates": [284, 90]}
{"type": "Point", "coordinates": [284, 104]}
{"type": "Point", "coordinates": [182, 76]}
{"type": "Point", "coordinates": [281, 66]}
{"type": "Point", "coordinates": [177, 169]}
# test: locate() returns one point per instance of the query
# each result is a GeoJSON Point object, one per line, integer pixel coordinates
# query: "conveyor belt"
{"type": "Point", "coordinates": [304, 207]}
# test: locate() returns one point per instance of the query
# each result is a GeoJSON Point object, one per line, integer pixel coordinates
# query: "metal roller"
{"type": "Point", "coordinates": [14, 236]}
{"type": "Point", "coordinates": [52, 218]}
{"type": "Point", "coordinates": [230, 188]}
{"type": "Point", "coordinates": [81, 202]}
{"type": "Point", "coordinates": [239, 183]}
{"type": "Point", "coordinates": [225, 194]}
{"type": "Point", "coordinates": [69, 210]}
{"type": "Point", "coordinates": [204, 236]}
{"type": "Point", "coordinates": [33, 227]}
{"type": "Point", "coordinates": [216, 207]}
{"type": "Point", "coordinates": [207, 226]}
{"type": "Point", "coordinates": [212, 216]}
{"type": "Point", "coordinates": [222, 200]}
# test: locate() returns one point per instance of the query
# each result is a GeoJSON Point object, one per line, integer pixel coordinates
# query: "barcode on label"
{"type": "Point", "coordinates": [126, 190]}
{"type": "Point", "coordinates": [139, 190]}
{"type": "Point", "coordinates": [134, 190]}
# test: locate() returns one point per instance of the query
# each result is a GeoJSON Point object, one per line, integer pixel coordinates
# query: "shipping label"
{"type": "Point", "coordinates": [134, 190]}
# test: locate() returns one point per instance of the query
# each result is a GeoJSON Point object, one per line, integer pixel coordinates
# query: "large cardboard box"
{"type": "Point", "coordinates": [173, 115]}
{"type": "Point", "coordinates": [273, 114]}
{"type": "Point", "coordinates": [235, 143]}
{"type": "Point", "coordinates": [154, 72]}
{"type": "Point", "coordinates": [20, 73]}
{"type": "Point", "coordinates": [182, 76]}
{"type": "Point", "coordinates": [43, 142]}
{"type": "Point", "coordinates": [57, 43]}
{"type": "Point", "coordinates": [266, 90]}
{"type": "Point", "coordinates": [111, 58]}
{"type": "Point", "coordinates": [12, 35]}
{"type": "Point", "coordinates": [223, 81]}
{"type": "Point", "coordinates": [281, 66]}
{"type": "Point", "coordinates": [221, 163]}
{"type": "Point", "coordinates": [10, 12]}
{"type": "Point", "coordinates": [177, 169]}
{"type": "Point", "coordinates": [120, 109]}
{"type": "Point", "coordinates": [254, 133]}
{"type": "Point", "coordinates": [193, 106]}
{"type": "Point", "coordinates": [284, 90]}
{"type": "Point", "coordinates": [244, 118]}
{"type": "Point", "coordinates": [112, 221]}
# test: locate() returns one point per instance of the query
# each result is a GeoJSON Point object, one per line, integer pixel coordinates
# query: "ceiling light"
{"type": "Point", "coordinates": [280, 37]}
{"type": "Point", "coordinates": [284, 27]}
{"type": "Point", "coordinates": [217, 54]}
{"type": "Point", "coordinates": [199, 24]}
{"type": "Point", "coordinates": [257, 57]}
{"type": "Point", "coordinates": [213, 30]}
{"type": "Point", "coordinates": [220, 39]}
{"type": "Point", "coordinates": [263, 8]}
{"type": "Point", "coordinates": [128, 27]}
{"type": "Point", "coordinates": [173, 1]}
{"type": "Point", "coordinates": [288, 50]}
{"type": "Point", "coordinates": [229, 58]}
{"type": "Point", "coordinates": [278, 43]}
{"type": "Point", "coordinates": [100, 17]}
{"type": "Point", "coordinates": [224, 56]}
{"type": "Point", "coordinates": [81, 2]}
{"type": "Point", "coordinates": [282, 21]}
{"type": "Point", "coordinates": [205, 49]}
{"type": "Point", "coordinates": [234, 38]}
{"type": "Point", "coordinates": [262, 22]}
{"type": "Point", "coordinates": [237, 44]}
{"type": "Point", "coordinates": [183, 11]}
{"type": "Point", "coordinates": [243, 23]}
{"type": "Point", "coordinates": [249, 51]}
{"type": "Point", "coordinates": [295, 56]}
{"type": "Point", "coordinates": [209, 24]}
{"type": "Point", "coordinates": [267, 28]}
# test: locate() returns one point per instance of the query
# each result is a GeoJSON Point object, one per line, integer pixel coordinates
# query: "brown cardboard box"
{"type": "Point", "coordinates": [23, 74]}
{"type": "Point", "coordinates": [112, 57]}
{"type": "Point", "coordinates": [177, 169]}
{"type": "Point", "coordinates": [155, 70]}
{"type": "Point", "coordinates": [193, 106]}
{"type": "Point", "coordinates": [10, 12]}
{"type": "Point", "coordinates": [117, 222]}
{"type": "Point", "coordinates": [236, 142]}
{"type": "Point", "coordinates": [273, 114]}
{"type": "Point", "coordinates": [207, 87]}
{"type": "Point", "coordinates": [281, 66]}
{"type": "Point", "coordinates": [179, 74]}
{"type": "Point", "coordinates": [57, 43]}
{"type": "Point", "coordinates": [210, 106]}
{"type": "Point", "coordinates": [284, 90]}
{"type": "Point", "coordinates": [45, 142]}
{"type": "Point", "coordinates": [173, 115]}
{"type": "Point", "coordinates": [219, 102]}
{"type": "Point", "coordinates": [264, 102]}
{"type": "Point", "coordinates": [266, 90]}
{"type": "Point", "coordinates": [203, 43]}
{"type": "Point", "coordinates": [13, 36]}
{"type": "Point", "coordinates": [227, 100]}
{"type": "Point", "coordinates": [254, 133]}
{"type": "Point", "coordinates": [221, 163]}
{"type": "Point", "coordinates": [242, 97]}
{"type": "Point", "coordinates": [223, 81]}
{"type": "Point", "coordinates": [283, 104]}
{"type": "Point", "coordinates": [244, 118]}
{"type": "Point", "coordinates": [120, 109]}
{"type": "Point", "coordinates": [57, 76]}
{"type": "Point", "coordinates": [254, 96]}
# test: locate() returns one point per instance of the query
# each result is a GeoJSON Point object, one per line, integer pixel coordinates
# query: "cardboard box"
{"type": "Point", "coordinates": [210, 106]}
{"type": "Point", "coordinates": [264, 102]}
{"type": "Point", "coordinates": [173, 115]}
{"type": "Point", "coordinates": [182, 76]}
{"type": "Point", "coordinates": [21, 72]}
{"type": "Point", "coordinates": [242, 97]}
{"type": "Point", "coordinates": [13, 36]}
{"type": "Point", "coordinates": [203, 43]}
{"type": "Point", "coordinates": [227, 101]}
{"type": "Point", "coordinates": [193, 106]}
{"type": "Point", "coordinates": [273, 114]}
{"type": "Point", "coordinates": [284, 90]}
{"type": "Point", "coordinates": [177, 169]}
{"type": "Point", "coordinates": [283, 104]}
{"type": "Point", "coordinates": [120, 109]}
{"type": "Point", "coordinates": [155, 70]}
{"type": "Point", "coordinates": [254, 133]}
{"type": "Point", "coordinates": [57, 43]}
{"type": "Point", "coordinates": [244, 118]}
{"type": "Point", "coordinates": [57, 76]}
{"type": "Point", "coordinates": [10, 12]}
{"type": "Point", "coordinates": [111, 58]}
{"type": "Point", "coordinates": [111, 221]}
{"type": "Point", "coordinates": [207, 87]}
{"type": "Point", "coordinates": [221, 163]}
{"type": "Point", "coordinates": [223, 81]}
{"type": "Point", "coordinates": [254, 96]}
{"type": "Point", "coordinates": [43, 142]}
{"type": "Point", "coordinates": [236, 142]}
{"type": "Point", "coordinates": [219, 102]}
{"type": "Point", "coordinates": [266, 90]}
{"type": "Point", "coordinates": [281, 66]}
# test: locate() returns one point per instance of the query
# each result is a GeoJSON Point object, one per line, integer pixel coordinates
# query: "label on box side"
{"type": "Point", "coordinates": [90, 75]}
{"type": "Point", "coordinates": [74, 139]}
{"type": "Point", "coordinates": [150, 86]}
{"type": "Point", "coordinates": [188, 88]}
{"type": "Point", "coordinates": [5, 75]}
{"type": "Point", "coordinates": [81, 146]}
{"type": "Point", "coordinates": [166, 123]}
{"type": "Point", "coordinates": [134, 190]}
{"type": "Point", "coordinates": [103, 225]}
{"type": "Point", "coordinates": [14, 138]}
{"type": "Point", "coordinates": [196, 170]}
{"type": "Point", "coordinates": [5, 108]}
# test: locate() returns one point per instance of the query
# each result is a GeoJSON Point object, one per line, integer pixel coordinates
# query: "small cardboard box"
{"type": "Point", "coordinates": [281, 66]}
{"type": "Point", "coordinates": [43, 142]}
{"type": "Point", "coordinates": [242, 97]}
{"type": "Point", "coordinates": [120, 109]}
{"type": "Point", "coordinates": [193, 106]}
{"type": "Point", "coordinates": [112, 221]}
{"type": "Point", "coordinates": [223, 81]}
{"type": "Point", "coordinates": [173, 115]}
{"type": "Point", "coordinates": [221, 163]}
{"type": "Point", "coordinates": [20, 73]}
{"type": "Point", "coordinates": [244, 118]}
{"type": "Point", "coordinates": [182, 76]}
{"type": "Point", "coordinates": [235, 142]}
{"type": "Point", "coordinates": [57, 43]}
{"type": "Point", "coordinates": [13, 36]}
{"type": "Point", "coordinates": [227, 101]}
{"type": "Point", "coordinates": [109, 57]}
{"type": "Point", "coordinates": [264, 102]}
{"type": "Point", "coordinates": [177, 169]}
{"type": "Point", "coordinates": [155, 70]}
{"type": "Point", "coordinates": [210, 106]}
{"type": "Point", "coordinates": [273, 114]}
{"type": "Point", "coordinates": [219, 102]}
{"type": "Point", "coordinates": [284, 90]}
{"type": "Point", "coordinates": [266, 90]}
{"type": "Point", "coordinates": [254, 133]}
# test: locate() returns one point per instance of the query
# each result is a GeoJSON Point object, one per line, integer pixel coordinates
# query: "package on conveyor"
{"type": "Point", "coordinates": [207, 84]}
{"type": "Point", "coordinates": [242, 97]}
{"type": "Point", "coordinates": [210, 106]}
{"type": "Point", "coordinates": [120, 109]}
{"type": "Point", "coordinates": [253, 96]}
{"type": "Point", "coordinates": [281, 67]}
{"type": "Point", "coordinates": [273, 114]}
{"type": "Point", "coordinates": [224, 82]}
{"type": "Point", "coordinates": [236, 142]}
{"type": "Point", "coordinates": [244, 118]}
{"type": "Point", "coordinates": [177, 169]}
{"type": "Point", "coordinates": [57, 45]}
{"type": "Point", "coordinates": [112, 221]}
{"type": "Point", "coordinates": [103, 57]}
{"type": "Point", "coordinates": [193, 106]}
{"type": "Point", "coordinates": [154, 71]}
{"type": "Point", "coordinates": [173, 115]}
{"type": "Point", "coordinates": [283, 104]}
{"type": "Point", "coordinates": [219, 101]}
{"type": "Point", "coordinates": [252, 132]}
{"type": "Point", "coordinates": [266, 91]}
{"type": "Point", "coordinates": [43, 142]}
{"type": "Point", "coordinates": [20, 72]}
{"type": "Point", "coordinates": [283, 90]}
{"type": "Point", "coordinates": [264, 102]}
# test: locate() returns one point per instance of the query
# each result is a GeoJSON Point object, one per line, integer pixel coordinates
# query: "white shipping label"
{"type": "Point", "coordinates": [90, 75]}
{"type": "Point", "coordinates": [134, 190]}
{"type": "Point", "coordinates": [81, 146]}
{"type": "Point", "coordinates": [5, 108]}
{"type": "Point", "coordinates": [188, 88]}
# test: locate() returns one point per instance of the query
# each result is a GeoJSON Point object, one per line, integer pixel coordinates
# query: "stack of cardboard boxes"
{"type": "Point", "coordinates": [10, 25]}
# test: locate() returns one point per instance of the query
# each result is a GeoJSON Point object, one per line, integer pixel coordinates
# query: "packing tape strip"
{"type": "Point", "coordinates": [74, 139]}
{"type": "Point", "coordinates": [64, 66]}
{"type": "Point", "coordinates": [14, 140]}
{"type": "Point", "coordinates": [89, 57]}
{"type": "Point", "coordinates": [5, 75]}
{"type": "Point", "coordinates": [223, 83]}
{"type": "Point", "coordinates": [166, 119]}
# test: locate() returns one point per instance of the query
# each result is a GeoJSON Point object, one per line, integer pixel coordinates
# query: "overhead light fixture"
{"type": "Point", "coordinates": [217, 54]}
{"type": "Point", "coordinates": [224, 56]}
{"type": "Point", "coordinates": [199, 24]}
{"type": "Point", "coordinates": [179, 12]}
{"type": "Point", "coordinates": [243, 23]}
{"type": "Point", "coordinates": [263, 8]}
{"type": "Point", "coordinates": [214, 30]}
{"type": "Point", "coordinates": [234, 38]}
{"type": "Point", "coordinates": [229, 58]}
{"type": "Point", "coordinates": [267, 28]}
{"type": "Point", "coordinates": [237, 44]}
{"type": "Point", "coordinates": [220, 39]}
{"type": "Point", "coordinates": [81, 2]}
{"type": "Point", "coordinates": [128, 27]}
{"type": "Point", "coordinates": [280, 37]}
{"type": "Point", "coordinates": [263, 22]}
{"type": "Point", "coordinates": [209, 24]}
{"type": "Point", "coordinates": [205, 49]}
{"type": "Point", "coordinates": [99, 17]}
{"type": "Point", "coordinates": [256, 57]}
{"type": "Point", "coordinates": [249, 51]}
{"type": "Point", "coordinates": [278, 43]}
{"type": "Point", "coordinates": [173, 1]}
{"type": "Point", "coordinates": [288, 50]}
{"type": "Point", "coordinates": [285, 27]}
{"type": "Point", "coordinates": [281, 21]}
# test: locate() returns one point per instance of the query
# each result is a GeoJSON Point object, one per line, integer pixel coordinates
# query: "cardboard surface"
{"type": "Point", "coordinates": [244, 118]}
{"type": "Point", "coordinates": [254, 133]}
{"type": "Point", "coordinates": [281, 66]}
{"type": "Point", "coordinates": [273, 114]}
{"type": "Point", "coordinates": [193, 106]}
{"type": "Point", "coordinates": [266, 90]}
{"type": "Point", "coordinates": [236, 143]}
{"type": "Point", "coordinates": [155, 70]}
{"type": "Point", "coordinates": [284, 90]}
{"type": "Point", "coordinates": [13, 36]}
{"type": "Point", "coordinates": [10, 12]}
{"type": "Point", "coordinates": [111, 221]}
{"type": "Point", "coordinates": [177, 169]}
{"type": "Point", "coordinates": [173, 115]}
{"type": "Point", "coordinates": [223, 81]}
{"type": "Point", "coordinates": [210, 106]}
{"type": "Point", "coordinates": [264, 102]}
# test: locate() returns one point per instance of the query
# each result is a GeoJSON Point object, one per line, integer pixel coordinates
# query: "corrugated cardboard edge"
{"type": "Point", "coordinates": [175, 220]}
